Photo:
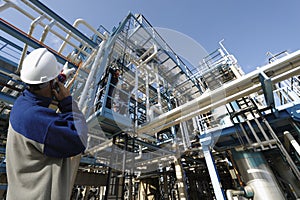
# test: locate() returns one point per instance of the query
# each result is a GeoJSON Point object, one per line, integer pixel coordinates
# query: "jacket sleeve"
{"type": "Point", "coordinates": [67, 134]}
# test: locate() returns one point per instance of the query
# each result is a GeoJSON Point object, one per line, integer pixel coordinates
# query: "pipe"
{"type": "Point", "coordinates": [262, 144]}
{"type": "Point", "coordinates": [220, 43]}
{"type": "Point", "coordinates": [149, 57]}
{"type": "Point", "coordinates": [213, 173]}
{"type": "Point", "coordinates": [76, 24]}
{"type": "Point", "coordinates": [292, 140]}
{"type": "Point", "coordinates": [9, 4]}
{"type": "Point", "coordinates": [6, 5]}
{"type": "Point", "coordinates": [77, 37]}
{"type": "Point", "coordinates": [140, 153]}
{"type": "Point", "coordinates": [258, 175]}
{"type": "Point", "coordinates": [13, 5]}
{"type": "Point", "coordinates": [46, 30]}
{"type": "Point", "coordinates": [63, 22]}
{"type": "Point", "coordinates": [246, 192]}
{"type": "Point", "coordinates": [90, 77]}
{"type": "Point", "coordinates": [185, 139]}
{"type": "Point", "coordinates": [99, 147]}
{"type": "Point", "coordinates": [156, 108]}
{"type": "Point", "coordinates": [32, 27]}
{"type": "Point", "coordinates": [76, 159]}
{"type": "Point", "coordinates": [283, 151]}
{"type": "Point", "coordinates": [82, 21]}
{"type": "Point", "coordinates": [22, 36]}
{"type": "Point", "coordinates": [281, 69]}
{"type": "Point", "coordinates": [158, 89]}
{"type": "Point", "coordinates": [231, 193]}
{"type": "Point", "coordinates": [147, 96]}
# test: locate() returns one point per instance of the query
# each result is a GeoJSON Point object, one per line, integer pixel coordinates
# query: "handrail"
{"type": "Point", "coordinates": [75, 24]}
{"type": "Point", "coordinates": [63, 22]}
{"type": "Point", "coordinates": [32, 27]}
{"type": "Point", "coordinates": [9, 4]}
{"type": "Point", "coordinates": [24, 37]}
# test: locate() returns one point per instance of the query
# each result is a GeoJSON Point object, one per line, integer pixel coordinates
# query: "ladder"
{"type": "Point", "coordinates": [256, 129]}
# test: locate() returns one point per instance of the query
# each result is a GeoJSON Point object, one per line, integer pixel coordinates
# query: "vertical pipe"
{"type": "Point", "coordinates": [136, 87]}
{"type": "Point", "coordinates": [109, 170]}
{"type": "Point", "coordinates": [158, 88]}
{"type": "Point", "coordinates": [46, 30]}
{"type": "Point", "coordinates": [76, 159]}
{"type": "Point", "coordinates": [147, 96]}
{"type": "Point", "coordinates": [180, 180]}
{"type": "Point", "coordinates": [258, 175]}
{"type": "Point", "coordinates": [32, 27]}
{"type": "Point", "coordinates": [75, 25]}
{"type": "Point", "coordinates": [185, 135]}
{"type": "Point", "coordinates": [292, 140]}
{"type": "Point", "coordinates": [222, 46]}
{"type": "Point", "coordinates": [219, 193]}
{"type": "Point", "coordinates": [106, 91]}
{"type": "Point", "coordinates": [195, 124]}
{"type": "Point", "coordinates": [170, 107]}
{"type": "Point", "coordinates": [283, 150]}
{"type": "Point", "coordinates": [165, 184]}
{"type": "Point", "coordinates": [91, 74]}
{"type": "Point", "coordinates": [124, 167]}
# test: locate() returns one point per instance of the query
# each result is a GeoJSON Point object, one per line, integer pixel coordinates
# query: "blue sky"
{"type": "Point", "coordinates": [250, 29]}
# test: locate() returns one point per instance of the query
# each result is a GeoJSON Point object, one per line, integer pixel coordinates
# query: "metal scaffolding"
{"type": "Point", "coordinates": [163, 129]}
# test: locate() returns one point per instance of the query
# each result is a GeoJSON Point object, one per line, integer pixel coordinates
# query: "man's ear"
{"type": "Point", "coordinates": [51, 84]}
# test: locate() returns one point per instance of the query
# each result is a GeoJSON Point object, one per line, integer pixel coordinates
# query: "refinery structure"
{"type": "Point", "coordinates": [164, 129]}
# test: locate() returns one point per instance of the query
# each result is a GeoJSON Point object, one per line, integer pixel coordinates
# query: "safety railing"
{"type": "Point", "coordinates": [53, 31]}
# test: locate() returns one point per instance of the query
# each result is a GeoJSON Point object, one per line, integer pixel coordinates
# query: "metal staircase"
{"type": "Point", "coordinates": [256, 131]}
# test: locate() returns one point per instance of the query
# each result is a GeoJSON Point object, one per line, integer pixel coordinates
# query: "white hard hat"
{"type": "Point", "coordinates": [40, 66]}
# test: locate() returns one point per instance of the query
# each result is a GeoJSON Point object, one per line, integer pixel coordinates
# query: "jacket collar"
{"type": "Point", "coordinates": [39, 100]}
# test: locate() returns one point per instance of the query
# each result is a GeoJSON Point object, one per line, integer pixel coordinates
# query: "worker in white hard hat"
{"type": "Point", "coordinates": [41, 141]}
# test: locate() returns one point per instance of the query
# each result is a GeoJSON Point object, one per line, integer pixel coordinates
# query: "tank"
{"type": "Point", "coordinates": [257, 174]}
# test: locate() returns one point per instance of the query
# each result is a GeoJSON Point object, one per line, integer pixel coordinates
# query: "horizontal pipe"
{"type": "Point", "coordinates": [99, 147]}
{"type": "Point", "coordinates": [282, 68]}
{"type": "Point", "coordinates": [231, 193]}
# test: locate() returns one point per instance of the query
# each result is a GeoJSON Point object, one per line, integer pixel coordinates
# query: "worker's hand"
{"type": "Point", "coordinates": [61, 92]}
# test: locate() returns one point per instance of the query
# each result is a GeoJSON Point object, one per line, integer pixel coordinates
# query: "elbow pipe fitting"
{"type": "Point", "coordinates": [247, 192]}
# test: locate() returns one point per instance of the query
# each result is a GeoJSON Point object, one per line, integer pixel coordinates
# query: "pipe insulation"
{"type": "Point", "coordinates": [258, 175]}
{"type": "Point", "coordinates": [278, 70]}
